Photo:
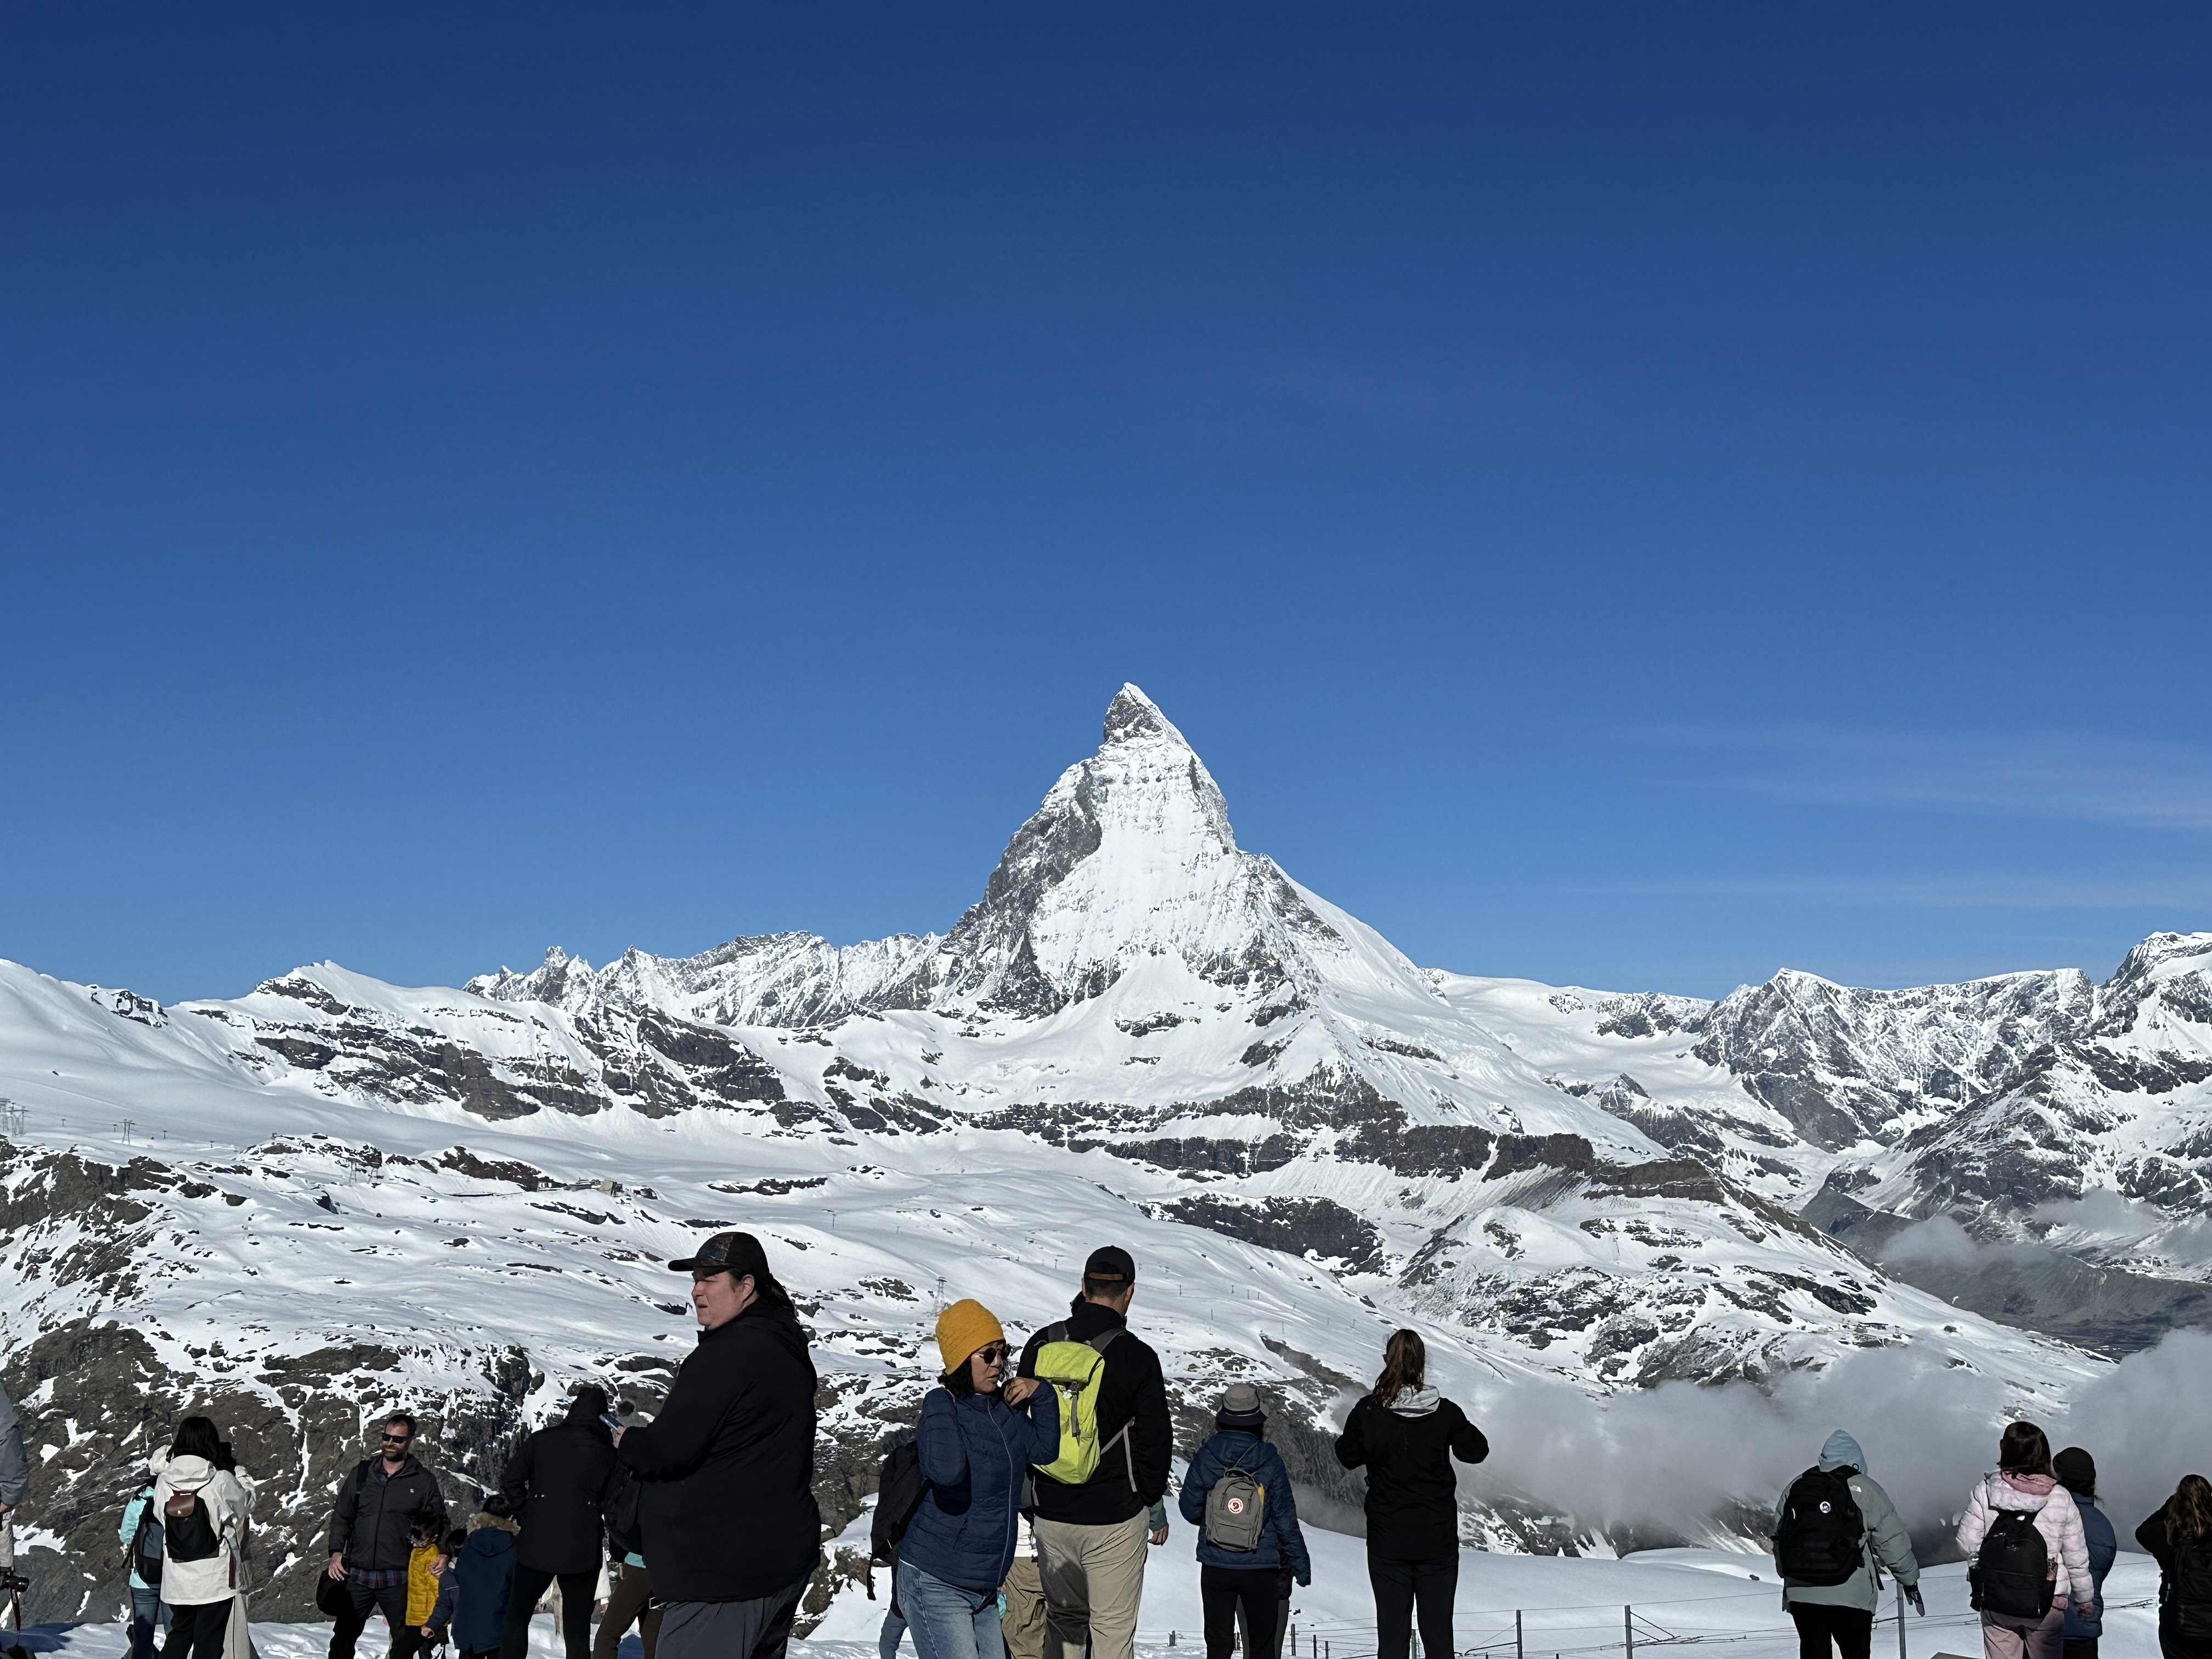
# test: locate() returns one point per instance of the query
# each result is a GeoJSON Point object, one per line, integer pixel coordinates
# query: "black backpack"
{"type": "Point", "coordinates": [618, 1511]}
{"type": "Point", "coordinates": [2011, 1572]}
{"type": "Point", "coordinates": [187, 1535]}
{"type": "Point", "coordinates": [899, 1494]}
{"type": "Point", "coordinates": [1820, 1539]}
{"type": "Point", "coordinates": [146, 1544]}
{"type": "Point", "coordinates": [2188, 1590]}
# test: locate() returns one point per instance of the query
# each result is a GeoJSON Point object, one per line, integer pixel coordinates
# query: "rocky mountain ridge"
{"type": "Point", "coordinates": [1139, 1031]}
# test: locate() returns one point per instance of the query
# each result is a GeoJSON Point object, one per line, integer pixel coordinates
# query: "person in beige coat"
{"type": "Point", "coordinates": [203, 1509]}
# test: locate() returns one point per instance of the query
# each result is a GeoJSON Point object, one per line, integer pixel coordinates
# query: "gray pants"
{"type": "Point", "coordinates": [758, 1629]}
{"type": "Point", "coordinates": [1094, 1582]}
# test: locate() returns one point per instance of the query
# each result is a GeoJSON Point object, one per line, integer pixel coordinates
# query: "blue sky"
{"type": "Point", "coordinates": [1640, 495]}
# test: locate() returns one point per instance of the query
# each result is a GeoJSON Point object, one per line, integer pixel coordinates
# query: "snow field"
{"type": "Point", "coordinates": [1571, 1608]}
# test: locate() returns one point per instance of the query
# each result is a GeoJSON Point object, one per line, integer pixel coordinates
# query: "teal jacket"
{"type": "Point", "coordinates": [1887, 1540]}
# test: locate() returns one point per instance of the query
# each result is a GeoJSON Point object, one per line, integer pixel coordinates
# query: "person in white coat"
{"type": "Point", "coordinates": [2025, 1483]}
{"type": "Point", "coordinates": [203, 1510]}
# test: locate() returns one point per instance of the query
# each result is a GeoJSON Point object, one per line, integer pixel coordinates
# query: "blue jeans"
{"type": "Point", "coordinates": [145, 1619]}
{"type": "Point", "coordinates": [946, 1621]}
{"type": "Point", "coordinates": [887, 1638]}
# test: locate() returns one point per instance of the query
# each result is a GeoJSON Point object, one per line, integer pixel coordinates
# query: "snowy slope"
{"type": "Point", "coordinates": [334, 1193]}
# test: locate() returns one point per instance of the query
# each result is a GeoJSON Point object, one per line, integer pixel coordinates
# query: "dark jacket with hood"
{"type": "Point", "coordinates": [1281, 1542]}
{"type": "Point", "coordinates": [1407, 1448]}
{"type": "Point", "coordinates": [376, 1514]}
{"type": "Point", "coordinates": [2104, 1550]}
{"type": "Point", "coordinates": [1133, 1476]}
{"type": "Point", "coordinates": [975, 1453]}
{"type": "Point", "coordinates": [727, 1511]}
{"type": "Point", "coordinates": [556, 1484]}
{"type": "Point", "coordinates": [482, 1572]}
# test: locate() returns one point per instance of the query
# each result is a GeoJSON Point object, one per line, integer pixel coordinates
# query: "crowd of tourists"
{"type": "Point", "coordinates": [1017, 1520]}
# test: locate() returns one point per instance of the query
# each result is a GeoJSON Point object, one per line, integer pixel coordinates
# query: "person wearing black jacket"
{"type": "Point", "coordinates": [2178, 1534]}
{"type": "Point", "coordinates": [554, 1485]}
{"type": "Point", "coordinates": [1090, 1538]}
{"type": "Point", "coordinates": [727, 1507]}
{"type": "Point", "coordinates": [1404, 1435]}
{"type": "Point", "coordinates": [372, 1535]}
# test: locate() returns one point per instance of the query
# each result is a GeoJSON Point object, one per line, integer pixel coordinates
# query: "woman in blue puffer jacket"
{"type": "Point", "coordinates": [1258, 1578]}
{"type": "Point", "coordinates": [977, 1446]}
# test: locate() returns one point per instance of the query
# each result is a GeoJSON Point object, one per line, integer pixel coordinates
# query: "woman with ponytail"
{"type": "Point", "coordinates": [1405, 1434]}
{"type": "Point", "coordinates": [2180, 1536]}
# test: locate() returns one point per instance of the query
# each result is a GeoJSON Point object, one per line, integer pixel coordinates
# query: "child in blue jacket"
{"type": "Point", "coordinates": [1253, 1578]}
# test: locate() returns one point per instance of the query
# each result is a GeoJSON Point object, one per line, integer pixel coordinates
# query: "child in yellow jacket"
{"type": "Point", "coordinates": [430, 1593]}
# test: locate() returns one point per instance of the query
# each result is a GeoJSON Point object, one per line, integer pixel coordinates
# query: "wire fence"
{"type": "Point", "coordinates": [1507, 1633]}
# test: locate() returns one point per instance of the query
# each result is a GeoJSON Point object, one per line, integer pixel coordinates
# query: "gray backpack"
{"type": "Point", "coordinates": [1235, 1511]}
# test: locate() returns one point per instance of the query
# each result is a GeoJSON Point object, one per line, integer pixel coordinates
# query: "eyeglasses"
{"type": "Point", "coordinates": [991, 1352]}
{"type": "Point", "coordinates": [395, 1439]}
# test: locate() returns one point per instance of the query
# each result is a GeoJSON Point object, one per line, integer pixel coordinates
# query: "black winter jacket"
{"type": "Point", "coordinates": [372, 1517]}
{"type": "Point", "coordinates": [1132, 1391]}
{"type": "Point", "coordinates": [556, 1484]}
{"type": "Point", "coordinates": [728, 1509]}
{"type": "Point", "coordinates": [1413, 1497]}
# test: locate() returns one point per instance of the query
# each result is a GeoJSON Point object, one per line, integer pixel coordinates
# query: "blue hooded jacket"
{"type": "Point", "coordinates": [975, 1455]}
{"type": "Point", "coordinates": [484, 1571]}
{"type": "Point", "coordinates": [1281, 1543]}
{"type": "Point", "coordinates": [2103, 1546]}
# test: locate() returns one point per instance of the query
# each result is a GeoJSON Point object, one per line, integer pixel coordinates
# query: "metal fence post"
{"type": "Point", "coordinates": [1517, 1653]}
{"type": "Point", "coordinates": [1900, 1622]}
{"type": "Point", "coordinates": [1628, 1629]}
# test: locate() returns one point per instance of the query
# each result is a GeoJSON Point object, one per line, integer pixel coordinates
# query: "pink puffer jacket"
{"type": "Point", "coordinates": [2056, 1518]}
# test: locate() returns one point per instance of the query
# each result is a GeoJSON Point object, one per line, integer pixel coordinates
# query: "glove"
{"type": "Point", "coordinates": [1912, 1594]}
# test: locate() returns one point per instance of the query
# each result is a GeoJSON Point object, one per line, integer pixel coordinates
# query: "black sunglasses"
{"type": "Point", "coordinates": [395, 1439]}
{"type": "Point", "coordinates": [991, 1352]}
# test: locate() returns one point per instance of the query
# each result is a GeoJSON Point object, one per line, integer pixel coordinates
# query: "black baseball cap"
{"type": "Point", "coordinates": [1111, 1262]}
{"type": "Point", "coordinates": [736, 1254]}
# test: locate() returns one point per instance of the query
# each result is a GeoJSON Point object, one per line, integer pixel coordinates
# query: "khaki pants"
{"type": "Point", "coordinates": [1093, 1580]}
{"type": "Point", "coordinates": [1023, 1628]}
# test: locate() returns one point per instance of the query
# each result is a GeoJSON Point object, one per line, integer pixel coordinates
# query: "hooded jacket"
{"type": "Point", "coordinates": [2056, 1518]}
{"type": "Point", "coordinates": [374, 1521]}
{"type": "Point", "coordinates": [196, 1583]}
{"type": "Point", "coordinates": [728, 1510]}
{"type": "Point", "coordinates": [15, 1468]}
{"type": "Point", "coordinates": [1133, 1391]}
{"type": "Point", "coordinates": [1282, 1544]}
{"type": "Point", "coordinates": [555, 1484]}
{"type": "Point", "coordinates": [481, 1574]}
{"type": "Point", "coordinates": [2104, 1549]}
{"type": "Point", "coordinates": [975, 1453]}
{"type": "Point", "coordinates": [1412, 1495]}
{"type": "Point", "coordinates": [1886, 1540]}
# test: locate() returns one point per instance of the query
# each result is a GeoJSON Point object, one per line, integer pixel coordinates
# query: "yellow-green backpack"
{"type": "Point", "coordinates": [1075, 1370]}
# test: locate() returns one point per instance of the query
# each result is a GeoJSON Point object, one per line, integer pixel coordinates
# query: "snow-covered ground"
{"type": "Point", "coordinates": [1568, 1606]}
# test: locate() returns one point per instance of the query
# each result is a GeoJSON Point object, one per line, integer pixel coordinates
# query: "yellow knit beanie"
{"type": "Point", "coordinates": [962, 1329]}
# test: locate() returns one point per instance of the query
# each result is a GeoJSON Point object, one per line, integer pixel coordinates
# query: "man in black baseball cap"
{"type": "Point", "coordinates": [1090, 1538]}
{"type": "Point", "coordinates": [727, 1507]}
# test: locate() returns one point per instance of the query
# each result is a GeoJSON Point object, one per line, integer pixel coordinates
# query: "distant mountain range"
{"type": "Point", "coordinates": [335, 1193]}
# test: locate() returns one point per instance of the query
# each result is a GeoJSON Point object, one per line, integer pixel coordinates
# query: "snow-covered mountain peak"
{"type": "Point", "coordinates": [1132, 716]}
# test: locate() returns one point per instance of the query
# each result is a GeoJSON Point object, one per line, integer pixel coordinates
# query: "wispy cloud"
{"type": "Point", "coordinates": [2172, 892]}
{"type": "Point", "coordinates": [2105, 780]}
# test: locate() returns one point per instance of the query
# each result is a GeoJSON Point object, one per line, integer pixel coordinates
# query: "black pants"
{"type": "Point", "coordinates": [1221, 1591]}
{"type": "Point", "coordinates": [577, 1591]}
{"type": "Point", "coordinates": [1852, 1629]}
{"type": "Point", "coordinates": [197, 1632]}
{"type": "Point", "coordinates": [1400, 1587]}
{"type": "Point", "coordinates": [391, 1602]}
{"type": "Point", "coordinates": [2078, 1647]}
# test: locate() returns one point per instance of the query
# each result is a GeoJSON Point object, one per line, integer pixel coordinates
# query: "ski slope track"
{"type": "Point", "coordinates": [336, 1195]}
